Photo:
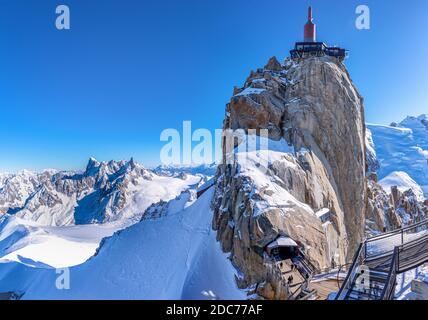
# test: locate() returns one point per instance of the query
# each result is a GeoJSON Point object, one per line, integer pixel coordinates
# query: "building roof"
{"type": "Point", "coordinates": [282, 242]}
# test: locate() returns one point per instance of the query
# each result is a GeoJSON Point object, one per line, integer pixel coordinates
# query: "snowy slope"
{"type": "Point", "coordinates": [260, 153]}
{"type": "Point", "coordinates": [403, 181]}
{"type": "Point", "coordinates": [61, 218]}
{"type": "Point", "coordinates": [41, 246]}
{"type": "Point", "coordinates": [403, 147]}
{"type": "Point", "coordinates": [173, 257]}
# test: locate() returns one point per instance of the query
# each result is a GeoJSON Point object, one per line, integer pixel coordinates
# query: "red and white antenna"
{"type": "Point", "coordinates": [310, 28]}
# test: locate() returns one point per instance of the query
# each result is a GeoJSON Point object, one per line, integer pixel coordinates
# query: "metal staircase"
{"type": "Point", "coordinates": [378, 281]}
{"type": "Point", "coordinates": [379, 259]}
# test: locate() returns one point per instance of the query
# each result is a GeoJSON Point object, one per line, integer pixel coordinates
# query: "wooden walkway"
{"type": "Point", "coordinates": [325, 286]}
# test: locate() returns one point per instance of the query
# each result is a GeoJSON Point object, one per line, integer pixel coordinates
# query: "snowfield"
{"type": "Point", "coordinates": [159, 188]}
{"type": "Point", "coordinates": [173, 257]}
{"type": "Point", "coordinates": [403, 148]}
{"type": "Point", "coordinates": [58, 247]}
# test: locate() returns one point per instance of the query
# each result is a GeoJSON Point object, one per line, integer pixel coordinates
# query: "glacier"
{"type": "Point", "coordinates": [403, 147]}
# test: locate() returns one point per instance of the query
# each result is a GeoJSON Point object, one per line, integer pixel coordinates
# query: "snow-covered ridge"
{"type": "Point", "coordinates": [420, 122]}
{"type": "Point", "coordinates": [403, 182]}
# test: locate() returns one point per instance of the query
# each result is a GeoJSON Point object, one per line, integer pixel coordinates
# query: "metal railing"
{"type": "Point", "coordinates": [406, 257]}
{"type": "Point", "coordinates": [401, 257]}
{"type": "Point", "coordinates": [397, 231]}
{"type": "Point", "coordinates": [413, 254]}
{"type": "Point", "coordinates": [297, 292]}
{"type": "Point", "coordinates": [388, 290]}
{"type": "Point", "coordinates": [347, 284]}
{"type": "Point", "coordinates": [412, 229]}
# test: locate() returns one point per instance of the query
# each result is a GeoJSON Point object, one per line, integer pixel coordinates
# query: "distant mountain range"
{"type": "Point", "coordinates": [103, 192]}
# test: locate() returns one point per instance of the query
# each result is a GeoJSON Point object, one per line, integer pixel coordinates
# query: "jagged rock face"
{"type": "Point", "coordinates": [265, 108]}
{"type": "Point", "coordinates": [315, 107]}
{"type": "Point", "coordinates": [387, 212]}
{"type": "Point", "coordinates": [395, 200]}
{"type": "Point", "coordinates": [408, 207]}
{"type": "Point", "coordinates": [16, 188]}
{"type": "Point", "coordinates": [326, 114]}
{"type": "Point", "coordinates": [380, 211]}
{"type": "Point", "coordinates": [250, 214]}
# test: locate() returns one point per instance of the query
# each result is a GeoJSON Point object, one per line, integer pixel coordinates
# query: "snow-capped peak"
{"type": "Point", "coordinates": [420, 122]}
{"type": "Point", "coordinates": [92, 165]}
{"type": "Point", "coordinates": [403, 182]}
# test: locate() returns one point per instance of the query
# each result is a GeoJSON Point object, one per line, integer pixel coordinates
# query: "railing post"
{"type": "Point", "coordinates": [402, 237]}
{"type": "Point", "coordinates": [397, 265]}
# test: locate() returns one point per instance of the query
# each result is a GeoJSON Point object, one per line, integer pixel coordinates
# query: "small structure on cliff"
{"type": "Point", "coordinates": [311, 48]}
{"type": "Point", "coordinates": [287, 266]}
{"type": "Point", "coordinates": [283, 248]}
{"type": "Point", "coordinates": [286, 250]}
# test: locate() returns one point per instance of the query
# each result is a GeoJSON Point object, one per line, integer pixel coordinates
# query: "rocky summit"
{"type": "Point", "coordinates": [316, 189]}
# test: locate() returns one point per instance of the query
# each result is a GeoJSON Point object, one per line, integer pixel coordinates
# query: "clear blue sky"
{"type": "Point", "coordinates": [129, 69]}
